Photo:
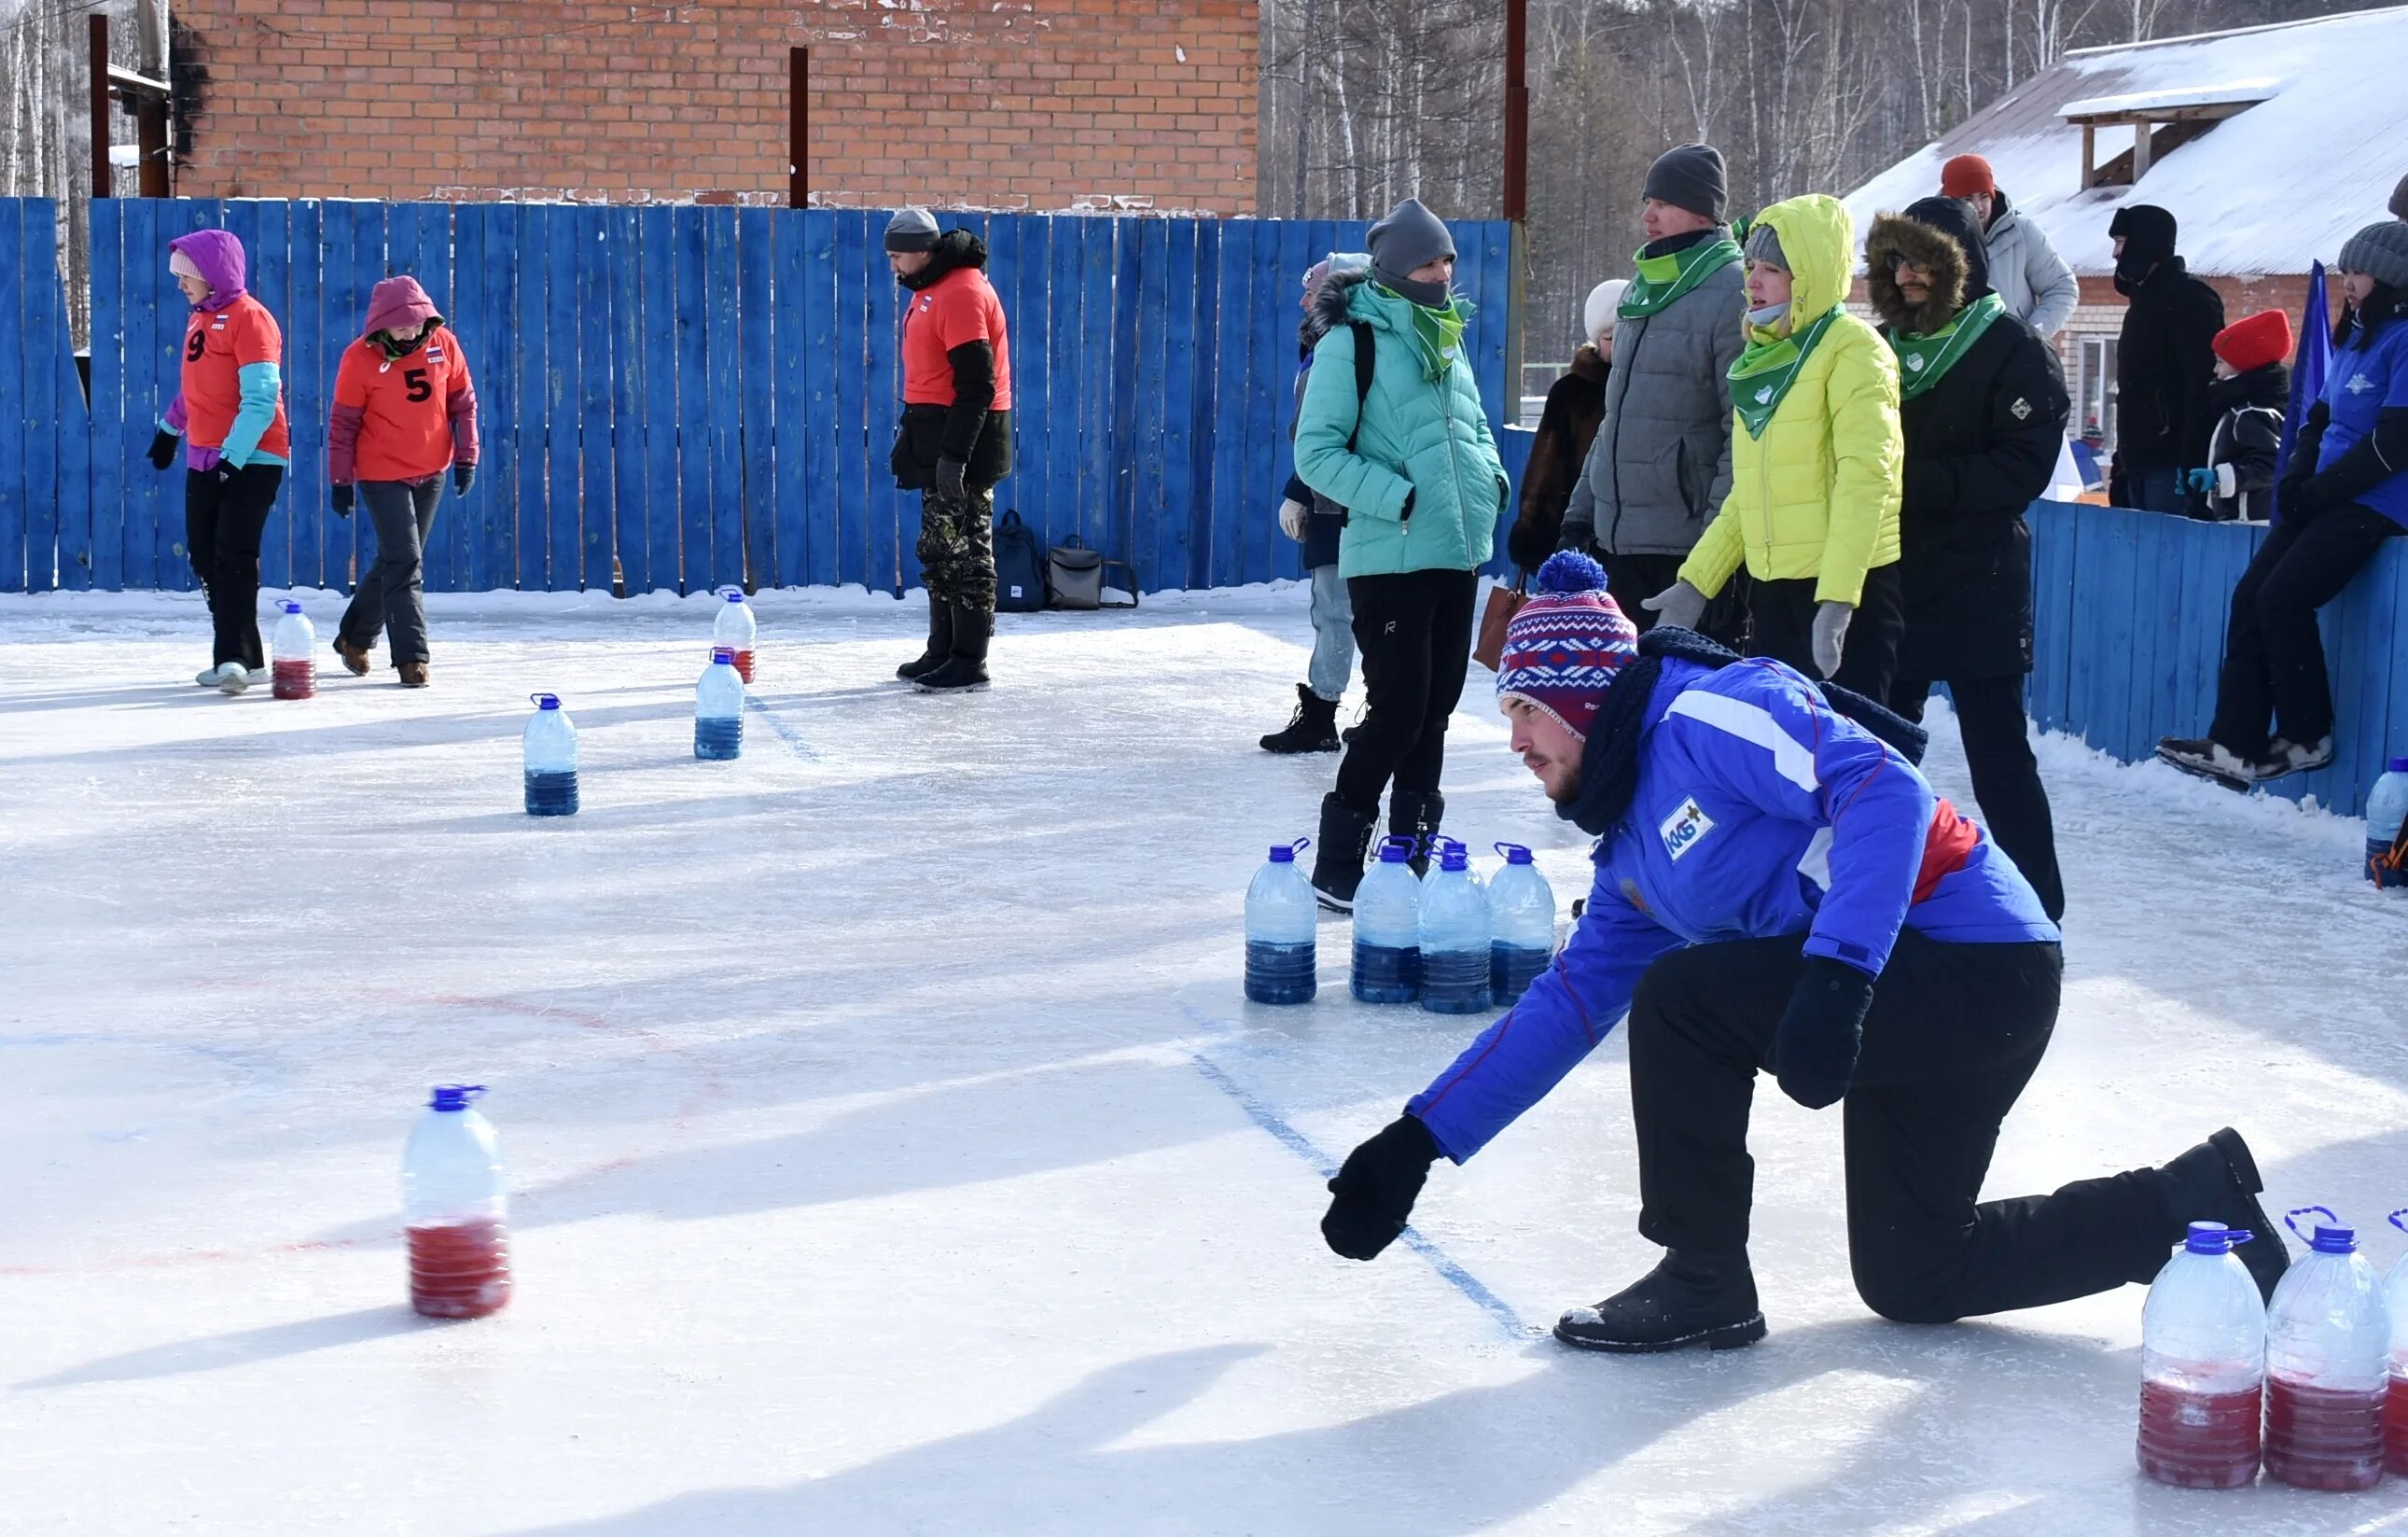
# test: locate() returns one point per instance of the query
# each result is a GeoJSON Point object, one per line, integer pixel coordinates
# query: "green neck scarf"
{"type": "Point", "coordinates": [1663, 279]}
{"type": "Point", "coordinates": [1922, 360]}
{"type": "Point", "coordinates": [1761, 376]}
{"type": "Point", "coordinates": [1438, 334]}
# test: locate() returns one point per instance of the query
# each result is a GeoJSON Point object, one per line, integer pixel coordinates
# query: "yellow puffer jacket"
{"type": "Point", "coordinates": [1817, 494]}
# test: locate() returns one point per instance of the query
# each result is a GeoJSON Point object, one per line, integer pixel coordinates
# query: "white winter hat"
{"type": "Point", "coordinates": [181, 265]}
{"type": "Point", "coordinates": [1603, 308]}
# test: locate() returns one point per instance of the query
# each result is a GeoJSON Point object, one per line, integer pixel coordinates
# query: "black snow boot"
{"type": "Point", "coordinates": [962, 671]}
{"type": "Point", "coordinates": [1414, 815]}
{"type": "Point", "coordinates": [1313, 728]}
{"type": "Point", "coordinates": [2217, 1181]}
{"type": "Point", "coordinates": [1687, 1300]}
{"type": "Point", "coordinates": [940, 644]}
{"type": "Point", "coordinates": [1338, 862]}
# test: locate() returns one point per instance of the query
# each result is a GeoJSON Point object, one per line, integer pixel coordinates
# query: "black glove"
{"type": "Point", "coordinates": [1814, 1047]}
{"type": "Point", "coordinates": [949, 481]}
{"type": "Point", "coordinates": [1405, 513]}
{"type": "Point", "coordinates": [2299, 499]}
{"type": "Point", "coordinates": [1375, 1189]}
{"type": "Point", "coordinates": [226, 471]}
{"type": "Point", "coordinates": [162, 449]}
{"type": "Point", "coordinates": [342, 496]}
{"type": "Point", "coordinates": [462, 477]}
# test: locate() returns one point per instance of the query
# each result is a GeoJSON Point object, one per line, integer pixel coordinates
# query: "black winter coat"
{"type": "Point", "coordinates": [2164, 364]}
{"type": "Point", "coordinates": [1980, 445]}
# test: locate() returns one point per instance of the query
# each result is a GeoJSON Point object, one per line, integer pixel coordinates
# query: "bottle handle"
{"type": "Point", "coordinates": [2291, 1219]}
{"type": "Point", "coordinates": [1507, 850]}
{"type": "Point", "coordinates": [1299, 845]}
{"type": "Point", "coordinates": [2395, 1219]}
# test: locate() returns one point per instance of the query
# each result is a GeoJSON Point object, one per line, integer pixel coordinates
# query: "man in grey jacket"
{"type": "Point", "coordinates": [1662, 465]}
{"type": "Point", "coordinates": [2026, 271]}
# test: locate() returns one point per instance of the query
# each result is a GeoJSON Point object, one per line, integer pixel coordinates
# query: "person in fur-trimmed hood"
{"type": "Point", "coordinates": [1983, 405]}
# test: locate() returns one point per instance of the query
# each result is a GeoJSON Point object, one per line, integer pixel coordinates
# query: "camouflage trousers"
{"type": "Point", "coordinates": [957, 549]}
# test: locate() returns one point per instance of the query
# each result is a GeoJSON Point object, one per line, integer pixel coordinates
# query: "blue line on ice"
{"type": "Point", "coordinates": [785, 733]}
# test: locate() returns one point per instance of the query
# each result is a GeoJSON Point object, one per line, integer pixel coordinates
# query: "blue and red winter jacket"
{"type": "Point", "coordinates": [1759, 811]}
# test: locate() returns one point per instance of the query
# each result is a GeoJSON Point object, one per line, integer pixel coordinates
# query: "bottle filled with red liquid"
{"type": "Point", "coordinates": [455, 1198]}
{"type": "Point", "coordinates": [737, 630]}
{"type": "Point", "coordinates": [2328, 1365]}
{"type": "Point", "coordinates": [292, 655]}
{"type": "Point", "coordinates": [2395, 1414]}
{"type": "Point", "coordinates": [2202, 1365]}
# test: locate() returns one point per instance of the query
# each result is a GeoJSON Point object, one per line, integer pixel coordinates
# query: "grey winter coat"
{"type": "Point", "coordinates": [2031, 278]}
{"type": "Point", "coordinates": [1661, 464]}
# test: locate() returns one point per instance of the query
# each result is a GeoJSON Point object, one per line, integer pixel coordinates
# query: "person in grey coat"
{"type": "Point", "coordinates": [2030, 278]}
{"type": "Point", "coordinates": [1661, 466]}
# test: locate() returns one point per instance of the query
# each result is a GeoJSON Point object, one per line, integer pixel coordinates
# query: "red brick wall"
{"type": "Point", "coordinates": [1024, 103]}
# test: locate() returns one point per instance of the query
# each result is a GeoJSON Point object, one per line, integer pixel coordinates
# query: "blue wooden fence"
{"type": "Point", "coordinates": [702, 394]}
{"type": "Point", "coordinates": [2129, 635]}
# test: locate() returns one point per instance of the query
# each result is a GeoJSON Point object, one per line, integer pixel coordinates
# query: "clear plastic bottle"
{"type": "Point", "coordinates": [1283, 917]}
{"type": "Point", "coordinates": [1521, 926]}
{"type": "Point", "coordinates": [293, 655]}
{"type": "Point", "coordinates": [456, 1204]}
{"type": "Point", "coordinates": [718, 708]}
{"type": "Point", "coordinates": [1453, 934]}
{"type": "Point", "coordinates": [2202, 1365]}
{"type": "Point", "coordinates": [2395, 1412]}
{"type": "Point", "coordinates": [550, 745]}
{"type": "Point", "coordinates": [2387, 807]}
{"type": "Point", "coordinates": [1387, 927]}
{"type": "Point", "coordinates": [736, 629]}
{"type": "Point", "coordinates": [2328, 1365]}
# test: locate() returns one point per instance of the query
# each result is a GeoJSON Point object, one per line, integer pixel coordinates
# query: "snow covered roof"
{"type": "Point", "coordinates": [2269, 189]}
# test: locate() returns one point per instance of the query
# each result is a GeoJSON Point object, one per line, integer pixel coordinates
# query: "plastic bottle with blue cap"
{"type": "Point", "coordinates": [292, 652]}
{"type": "Point", "coordinates": [455, 1201]}
{"type": "Point", "coordinates": [1387, 927]}
{"type": "Point", "coordinates": [1521, 926]}
{"type": "Point", "coordinates": [551, 752]}
{"type": "Point", "coordinates": [1283, 918]}
{"type": "Point", "coordinates": [719, 708]}
{"type": "Point", "coordinates": [2328, 1363]}
{"type": "Point", "coordinates": [2202, 1365]}
{"type": "Point", "coordinates": [2395, 1414]}
{"type": "Point", "coordinates": [1453, 934]}
{"type": "Point", "coordinates": [736, 629]}
{"type": "Point", "coordinates": [2387, 808]}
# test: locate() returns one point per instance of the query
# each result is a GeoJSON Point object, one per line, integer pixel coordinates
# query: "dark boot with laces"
{"type": "Point", "coordinates": [1687, 1300]}
{"type": "Point", "coordinates": [1313, 728]}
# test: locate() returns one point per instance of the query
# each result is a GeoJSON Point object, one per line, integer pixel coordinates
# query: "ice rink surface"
{"type": "Point", "coordinates": [893, 1151]}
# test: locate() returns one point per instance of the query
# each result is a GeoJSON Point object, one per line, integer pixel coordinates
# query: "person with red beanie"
{"type": "Point", "coordinates": [2031, 280]}
{"type": "Point", "coordinates": [405, 412]}
{"type": "Point", "coordinates": [2247, 402]}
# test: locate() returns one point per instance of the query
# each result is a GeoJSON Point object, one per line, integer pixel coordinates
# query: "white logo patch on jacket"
{"type": "Point", "coordinates": [1684, 828]}
{"type": "Point", "coordinates": [2360, 384]}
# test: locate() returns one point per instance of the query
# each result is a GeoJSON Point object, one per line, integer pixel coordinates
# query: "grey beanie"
{"type": "Point", "coordinates": [2380, 252]}
{"type": "Point", "coordinates": [2399, 199]}
{"type": "Point", "coordinates": [1764, 245]}
{"type": "Point", "coordinates": [913, 229]}
{"type": "Point", "coordinates": [1691, 177]}
{"type": "Point", "coordinates": [1408, 238]}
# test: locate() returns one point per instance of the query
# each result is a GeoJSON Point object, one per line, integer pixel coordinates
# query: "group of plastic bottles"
{"type": "Point", "coordinates": [551, 740]}
{"type": "Point", "coordinates": [1442, 937]}
{"type": "Point", "coordinates": [2314, 1383]}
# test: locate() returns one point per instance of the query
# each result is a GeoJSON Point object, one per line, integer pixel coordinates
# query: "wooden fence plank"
{"type": "Point", "coordinates": [849, 359]}
{"type": "Point", "coordinates": [630, 504]}
{"type": "Point", "coordinates": [496, 356]}
{"type": "Point", "coordinates": [726, 406]}
{"type": "Point", "coordinates": [108, 401]}
{"type": "Point", "coordinates": [534, 338]}
{"type": "Point", "coordinates": [1202, 385]}
{"type": "Point", "coordinates": [893, 516]}
{"type": "Point", "coordinates": [598, 453]}
{"type": "Point", "coordinates": [756, 395]}
{"type": "Point", "coordinates": [308, 391]}
{"type": "Point", "coordinates": [18, 561]}
{"type": "Point", "coordinates": [43, 337]}
{"type": "Point", "coordinates": [1029, 334]}
{"type": "Point", "coordinates": [1234, 459]}
{"type": "Point", "coordinates": [823, 437]}
{"type": "Point", "coordinates": [154, 324]}
{"type": "Point", "coordinates": [564, 556]}
{"type": "Point", "coordinates": [664, 350]}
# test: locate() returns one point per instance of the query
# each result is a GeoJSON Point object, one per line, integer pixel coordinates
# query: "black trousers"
{"type": "Point", "coordinates": [1955, 1033]}
{"type": "Point", "coordinates": [392, 595]}
{"type": "Point", "coordinates": [1783, 614]}
{"type": "Point", "coordinates": [1631, 578]}
{"type": "Point", "coordinates": [223, 520]}
{"type": "Point", "coordinates": [2273, 658]}
{"type": "Point", "coordinates": [1414, 632]}
{"type": "Point", "coordinates": [2006, 775]}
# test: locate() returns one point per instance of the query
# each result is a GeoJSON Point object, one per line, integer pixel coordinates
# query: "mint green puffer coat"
{"type": "Point", "coordinates": [1426, 436]}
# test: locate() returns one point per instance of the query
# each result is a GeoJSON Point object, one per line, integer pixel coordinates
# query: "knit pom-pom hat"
{"type": "Point", "coordinates": [1563, 649]}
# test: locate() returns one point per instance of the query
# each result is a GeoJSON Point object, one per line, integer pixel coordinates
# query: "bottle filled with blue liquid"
{"type": "Point", "coordinates": [1282, 918]}
{"type": "Point", "coordinates": [1453, 934]}
{"type": "Point", "coordinates": [2387, 807]}
{"type": "Point", "coordinates": [551, 760]}
{"type": "Point", "coordinates": [1521, 926]}
{"type": "Point", "coordinates": [1387, 928]}
{"type": "Point", "coordinates": [718, 708]}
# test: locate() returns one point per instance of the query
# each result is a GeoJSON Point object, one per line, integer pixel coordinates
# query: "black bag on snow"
{"type": "Point", "coordinates": [1074, 576]}
{"type": "Point", "coordinates": [1019, 566]}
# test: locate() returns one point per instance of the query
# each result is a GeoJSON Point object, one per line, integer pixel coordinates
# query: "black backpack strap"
{"type": "Point", "coordinates": [1366, 354]}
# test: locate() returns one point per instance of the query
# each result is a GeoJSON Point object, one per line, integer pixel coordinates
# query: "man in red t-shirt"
{"type": "Point", "coordinates": [955, 440]}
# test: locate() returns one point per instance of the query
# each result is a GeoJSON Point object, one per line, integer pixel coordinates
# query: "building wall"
{"type": "Point", "coordinates": [1036, 104]}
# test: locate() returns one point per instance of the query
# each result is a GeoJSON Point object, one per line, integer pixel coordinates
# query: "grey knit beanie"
{"type": "Point", "coordinates": [1691, 177]}
{"type": "Point", "coordinates": [2399, 199]}
{"type": "Point", "coordinates": [1410, 236]}
{"type": "Point", "coordinates": [2380, 252]}
{"type": "Point", "coordinates": [913, 229]}
{"type": "Point", "coordinates": [1764, 245]}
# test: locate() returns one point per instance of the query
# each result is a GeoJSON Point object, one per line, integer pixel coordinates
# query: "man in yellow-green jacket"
{"type": "Point", "coordinates": [1818, 457]}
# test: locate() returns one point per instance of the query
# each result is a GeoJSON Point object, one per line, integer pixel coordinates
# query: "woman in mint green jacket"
{"type": "Point", "coordinates": [1416, 468]}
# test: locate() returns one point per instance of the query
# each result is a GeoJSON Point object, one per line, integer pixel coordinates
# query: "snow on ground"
{"type": "Point", "coordinates": [892, 1151]}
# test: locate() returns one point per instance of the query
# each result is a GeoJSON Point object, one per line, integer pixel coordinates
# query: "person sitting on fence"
{"type": "Point", "coordinates": [954, 443]}
{"type": "Point", "coordinates": [229, 414]}
{"type": "Point", "coordinates": [2344, 492]}
{"type": "Point", "coordinates": [1568, 430]}
{"type": "Point", "coordinates": [1413, 462]}
{"type": "Point", "coordinates": [405, 412]}
{"type": "Point", "coordinates": [1315, 522]}
{"type": "Point", "coordinates": [1816, 455]}
{"type": "Point", "coordinates": [1983, 402]}
{"type": "Point", "coordinates": [2249, 401]}
{"type": "Point", "coordinates": [2165, 360]}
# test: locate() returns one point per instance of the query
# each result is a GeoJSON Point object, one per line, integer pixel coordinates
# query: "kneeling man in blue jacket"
{"type": "Point", "coordinates": [1779, 891]}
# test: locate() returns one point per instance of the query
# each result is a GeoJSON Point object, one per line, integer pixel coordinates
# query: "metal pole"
{"type": "Point", "coordinates": [799, 127]}
{"type": "Point", "coordinates": [100, 107]}
{"type": "Point", "coordinates": [1517, 110]}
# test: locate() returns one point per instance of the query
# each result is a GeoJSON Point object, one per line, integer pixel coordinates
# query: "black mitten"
{"type": "Point", "coordinates": [1814, 1048]}
{"type": "Point", "coordinates": [1375, 1189]}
